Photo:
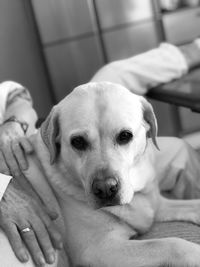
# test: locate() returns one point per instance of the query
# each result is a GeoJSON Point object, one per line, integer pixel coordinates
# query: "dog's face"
{"type": "Point", "coordinates": [102, 131]}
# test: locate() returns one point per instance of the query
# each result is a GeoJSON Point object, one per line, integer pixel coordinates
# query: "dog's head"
{"type": "Point", "coordinates": [99, 133]}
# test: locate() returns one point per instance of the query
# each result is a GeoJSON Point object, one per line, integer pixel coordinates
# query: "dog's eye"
{"type": "Point", "coordinates": [80, 143]}
{"type": "Point", "coordinates": [124, 137]}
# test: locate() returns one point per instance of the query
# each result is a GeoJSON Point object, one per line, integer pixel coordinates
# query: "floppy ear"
{"type": "Point", "coordinates": [150, 118]}
{"type": "Point", "coordinates": [49, 131]}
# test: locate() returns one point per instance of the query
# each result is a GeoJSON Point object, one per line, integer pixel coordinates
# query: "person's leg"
{"type": "Point", "coordinates": [178, 168]}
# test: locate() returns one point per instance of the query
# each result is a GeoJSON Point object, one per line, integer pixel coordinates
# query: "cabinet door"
{"type": "Point", "coordinates": [61, 19]}
{"type": "Point", "coordinates": [129, 41]}
{"type": "Point", "coordinates": [117, 12]}
{"type": "Point", "coordinates": [182, 26]}
{"type": "Point", "coordinates": [72, 64]}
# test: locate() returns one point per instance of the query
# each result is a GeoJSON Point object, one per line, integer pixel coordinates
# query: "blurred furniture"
{"type": "Point", "coordinates": [78, 37]}
{"type": "Point", "coordinates": [70, 42]}
{"type": "Point", "coordinates": [184, 92]}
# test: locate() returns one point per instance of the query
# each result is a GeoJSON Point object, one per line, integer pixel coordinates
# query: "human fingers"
{"type": "Point", "coordinates": [16, 242]}
{"type": "Point", "coordinates": [3, 166]}
{"type": "Point", "coordinates": [44, 240]}
{"type": "Point", "coordinates": [11, 161]}
{"type": "Point", "coordinates": [29, 237]}
{"type": "Point", "coordinates": [19, 154]}
{"type": "Point", "coordinates": [26, 145]}
{"type": "Point", "coordinates": [54, 234]}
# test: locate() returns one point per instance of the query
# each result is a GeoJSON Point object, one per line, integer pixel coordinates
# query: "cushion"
{"type": "Point", "coordinates": [185, 230]}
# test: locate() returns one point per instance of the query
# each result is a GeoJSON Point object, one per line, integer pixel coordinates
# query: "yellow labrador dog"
{"type": "Point", "coordinates": [94, 156]}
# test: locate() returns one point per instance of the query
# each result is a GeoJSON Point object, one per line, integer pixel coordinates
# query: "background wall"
{"type": "Point", "coordinates": [20, 52]}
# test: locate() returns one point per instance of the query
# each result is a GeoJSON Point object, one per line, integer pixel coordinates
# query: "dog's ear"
{"type": "Point", "coordinates": [49, 131]}
{"type": "Point", "coordinates": [150, 118]}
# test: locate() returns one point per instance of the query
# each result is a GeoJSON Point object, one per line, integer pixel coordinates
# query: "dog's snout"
{"type": "Point", "coordinates": [105, 189]}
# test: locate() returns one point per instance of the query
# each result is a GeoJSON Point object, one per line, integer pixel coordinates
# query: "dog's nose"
{"type": "Point", "coordinates": [105, 189]}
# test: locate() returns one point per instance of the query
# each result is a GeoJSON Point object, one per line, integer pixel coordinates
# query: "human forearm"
{"type": "Point", "coordinates": [17, 120]}
{"type": "Point", "coordinates": [24, 112]}
{"type": "Point", "coordinates": [144, 71]}
{"type": "Point", "coordinates": [15, 100]}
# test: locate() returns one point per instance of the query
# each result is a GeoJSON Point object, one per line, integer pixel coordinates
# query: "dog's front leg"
{"type": "Point", "coordinates": [116, 252]}
{"type": "Point", "coordinates": [178, 210]}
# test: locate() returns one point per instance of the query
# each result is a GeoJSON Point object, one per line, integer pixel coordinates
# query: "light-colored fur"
{"type": "Point", "coordinates": [96, 234]}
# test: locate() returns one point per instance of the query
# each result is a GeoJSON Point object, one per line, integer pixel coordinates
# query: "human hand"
{"type": "Point", "coordinates": [13, 149]}
{"type": "Point", "coordinates": [19, 211]}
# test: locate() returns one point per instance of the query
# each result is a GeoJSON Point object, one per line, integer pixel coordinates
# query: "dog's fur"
{"type": "Point", "coordinates": [97, 233]}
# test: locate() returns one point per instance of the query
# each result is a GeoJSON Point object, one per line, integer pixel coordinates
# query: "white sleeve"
{"type": "Point", "coordinates": [8, 91]}
{"type": "Point", "coordinates": [4, 181]}
{"type": "Point", "coordinates": [144, 71]}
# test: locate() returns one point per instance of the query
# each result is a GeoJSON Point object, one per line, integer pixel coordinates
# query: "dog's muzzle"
{"type": "Point", "coordinates": [105, 189]}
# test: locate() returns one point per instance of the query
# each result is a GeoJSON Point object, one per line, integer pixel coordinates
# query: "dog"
{"type": "Point", "coordinates": [94, 161]}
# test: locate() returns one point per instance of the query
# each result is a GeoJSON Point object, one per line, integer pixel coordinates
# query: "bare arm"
{"type": "Point", "coordinates": [20, 209]}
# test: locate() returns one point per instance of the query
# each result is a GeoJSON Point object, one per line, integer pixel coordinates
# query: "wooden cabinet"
{"type": "Point", "coordinates": [113, 13]}
{"type": "Point", "coordinates": [68, 33]}
{"type": "Point", "coordinates": [179, 27]}
{"type": "Point", "coordinates": [61, 19]}
{"type": "Point", "coordinates": [182, 26]}
{"type": "Point", "coordinates": [129, 41]}
{"type": "Point", "coordinates": [73, 63]}
{"type": "Point", "coordinates": [71, 38]}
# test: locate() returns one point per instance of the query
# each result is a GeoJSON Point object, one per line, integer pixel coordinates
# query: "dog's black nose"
{"type": "Point", "coordinates": [105, 189]}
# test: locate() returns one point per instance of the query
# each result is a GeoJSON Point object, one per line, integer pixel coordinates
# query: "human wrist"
{"type": "Point", "coordinates": [24, 125]}
{"type": "Point", "coordinates": [191, 52]}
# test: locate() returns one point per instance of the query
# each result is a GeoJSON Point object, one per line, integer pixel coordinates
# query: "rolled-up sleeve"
{"type": "Point", "coordinates": [144, 71]}
{"type": "Point", "coordinates": [9, 91]}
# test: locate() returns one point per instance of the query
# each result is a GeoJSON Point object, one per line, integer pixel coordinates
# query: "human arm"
{"type": "Point", "coordinates": [144, 71]}
{"type": "Point", "coordinates": [17, 207]}
{"type": "Point", "coordinates": [20, 209]}
{"type": "Point", "coordinates": [15, 111]}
